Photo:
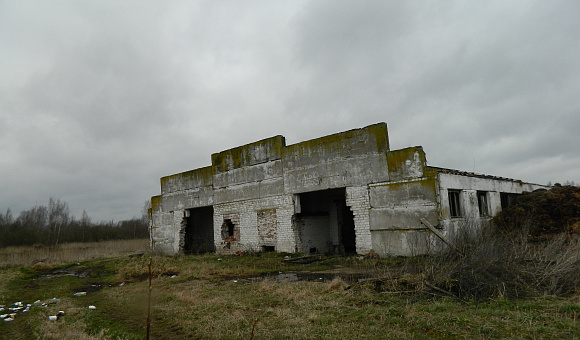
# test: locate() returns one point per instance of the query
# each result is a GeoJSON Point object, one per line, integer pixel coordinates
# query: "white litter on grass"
{"type": "Point", "coordinates": [92, 307]}
{"type": "Point", "coordinates": [56, 317]}
{"type": "Point", "coordinates": [80, 294]}
{"type": "Point", "coordinates": [17, 307]}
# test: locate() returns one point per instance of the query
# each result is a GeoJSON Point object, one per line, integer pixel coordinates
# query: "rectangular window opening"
{"type": "Point", "coordinates": [482, 203]}
{"type": "Point", "coordinates": [507, 199]}
{"type": "Point", "coordinates": [454, 203]}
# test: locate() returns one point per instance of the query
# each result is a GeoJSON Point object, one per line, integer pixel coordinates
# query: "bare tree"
{"type": "Point", "coordinates": [85, 223]}
{"type": "Point", "coordinates": [58, 216]}
{"type": "Point", "coordinates": [145, 212]}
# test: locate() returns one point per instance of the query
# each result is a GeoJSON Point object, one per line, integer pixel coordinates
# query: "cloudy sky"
{"type": "Point", "coordinates": [99, 99]}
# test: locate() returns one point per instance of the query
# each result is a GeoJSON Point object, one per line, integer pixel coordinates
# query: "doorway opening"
{"type": "Point", "coordinates": [199, 235]}
{"type": "Point", "coordinates": [324, 223]}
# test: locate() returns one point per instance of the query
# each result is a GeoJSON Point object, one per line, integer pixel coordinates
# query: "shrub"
{"type": "Point", "coordinates": [543, 213]}
{"type": "Point", "coordinates": [494, 264]}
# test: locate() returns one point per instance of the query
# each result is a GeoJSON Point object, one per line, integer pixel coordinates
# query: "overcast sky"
{"type": "Point", "coordinates": [99, 99]}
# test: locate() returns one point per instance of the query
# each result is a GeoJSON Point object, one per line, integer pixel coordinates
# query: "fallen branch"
{"type": "Point", "coordinates": [443, 291]}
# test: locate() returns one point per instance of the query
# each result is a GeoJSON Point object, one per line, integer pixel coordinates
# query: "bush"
{"type": "Point", "coordinates": [543, 213]}
{"type": "Point", "coordinates": [493, 264]}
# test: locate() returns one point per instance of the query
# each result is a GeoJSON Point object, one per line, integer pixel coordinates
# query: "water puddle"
{"type": "Point", "coordinates": [310, 277]}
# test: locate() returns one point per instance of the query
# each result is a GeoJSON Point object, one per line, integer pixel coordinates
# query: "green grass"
{"type": "Point", "coordinates": [203, 301]}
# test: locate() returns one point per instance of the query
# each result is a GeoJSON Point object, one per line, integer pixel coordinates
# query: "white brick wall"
{"type": "Point", "coordinates": [357, 198]}
{"type": "Point", "coordinates": [248, 224]}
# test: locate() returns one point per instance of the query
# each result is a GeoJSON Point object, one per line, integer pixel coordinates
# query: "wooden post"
{"type": "Point", "coordinates": [438, 234]}
{"type": "Point", "coordinates": [149, 302]}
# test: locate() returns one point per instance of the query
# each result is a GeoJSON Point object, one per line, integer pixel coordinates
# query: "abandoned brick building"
{"type": "Point", "coordinates": [343, 193]}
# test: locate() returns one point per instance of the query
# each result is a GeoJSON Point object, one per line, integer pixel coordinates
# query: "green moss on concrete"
{"type": "Point", "coordinates": [353, 141]}
{"type": "Point", "coordinates": [201, 177]}
{"type": "Point", "coordinates": [381, 134]}
{"type": "Point", "coordinates": [156, 202]}
{"type": "Point", "coordinates": [244, 155]}
{"type": "Point", "coordinates": [398, 167]}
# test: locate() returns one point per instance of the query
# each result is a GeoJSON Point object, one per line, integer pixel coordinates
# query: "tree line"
{"type": "Point", "coordinates": [53, 224]}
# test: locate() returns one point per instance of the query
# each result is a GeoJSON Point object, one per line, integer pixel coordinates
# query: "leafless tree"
{"type": "Point", "coordinates": [58, 216]}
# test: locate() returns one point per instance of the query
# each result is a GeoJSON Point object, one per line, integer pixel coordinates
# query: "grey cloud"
{"type": "Point", "coordinates": [100, 99]}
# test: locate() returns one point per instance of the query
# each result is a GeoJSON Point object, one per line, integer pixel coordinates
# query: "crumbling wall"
{"type": "Point", "coordinates": [351, 158]}
{"type": "Point", "coordinates": [182, 191]}
{"type": "Point", "coordinates": [248, 214]}
{"type": "Point", "coordinates": [255, 191]}
{"type": "Point", "coordinates": [396, 206]}
{"type": "Point", "coordinates": [161, 233]}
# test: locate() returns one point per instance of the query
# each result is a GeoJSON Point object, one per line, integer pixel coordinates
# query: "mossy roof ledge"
{"type": "Point", "coordinates": [201, 177]}
{"type": "Point", "coordinates": [342, 142]}
{"type": "Point", "coordinates": [262, 151]}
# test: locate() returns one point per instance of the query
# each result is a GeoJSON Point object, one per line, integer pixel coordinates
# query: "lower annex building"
{"type": "Point", "coordinates": [342, 193]}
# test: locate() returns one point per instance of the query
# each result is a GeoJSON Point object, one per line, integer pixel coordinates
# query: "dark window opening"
{"type": "Point", "coordinates": [230, 227]}
{"type": "Point", "coordinates": [482, 203]}
{"type": "Point", "coordinates": [507, 199]}
{"type": "Point", "coordinates": [454, 203]}
{"type": "Point", "coordinates": [268, 249]}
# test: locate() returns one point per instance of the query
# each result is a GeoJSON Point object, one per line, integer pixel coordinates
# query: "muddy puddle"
{"type": "Point", "coordinates": [309, 276]}
{"type": "Point", "coordinates": [74, 270]}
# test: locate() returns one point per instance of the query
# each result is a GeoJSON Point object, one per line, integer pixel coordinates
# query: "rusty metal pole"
{"type": "Point", "coordinates": [149, 302]}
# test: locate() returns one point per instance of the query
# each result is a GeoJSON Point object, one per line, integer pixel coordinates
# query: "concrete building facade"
{"type": "Point", "coordinates": [343, 193]}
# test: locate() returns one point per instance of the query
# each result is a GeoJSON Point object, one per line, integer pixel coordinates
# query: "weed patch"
{"type": "Point", "coordinates": [220, 297]}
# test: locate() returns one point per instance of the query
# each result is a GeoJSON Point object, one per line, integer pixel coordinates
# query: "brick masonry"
{"type": "Point", "coordinates": [357, 198]}
{"type": "Point", "coordinates": [255, 192]}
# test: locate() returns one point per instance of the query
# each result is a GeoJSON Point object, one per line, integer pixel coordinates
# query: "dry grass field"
{"type": "Point", "coordinates": [263, 296]}
{"type": "Point", "coordinates": [43, 256]}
